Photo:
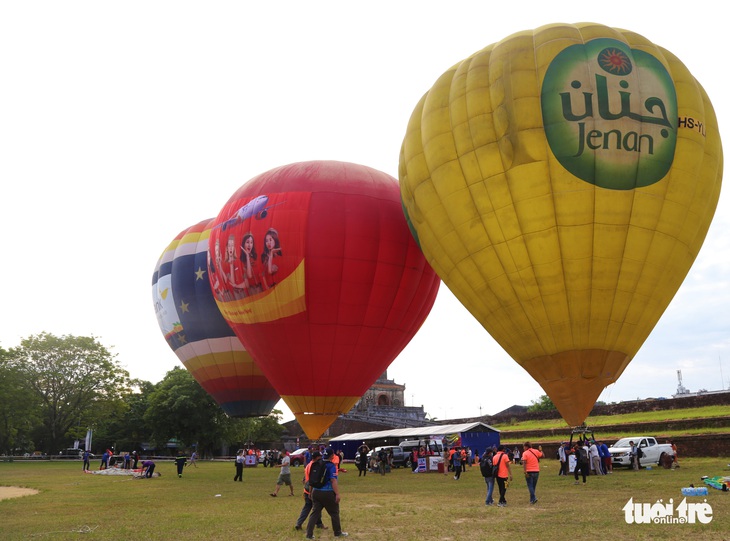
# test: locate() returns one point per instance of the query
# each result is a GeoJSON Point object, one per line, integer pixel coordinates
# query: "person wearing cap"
{"type": "Point", "coordinates": [596, 468]}
{"type": "Point", "coordinates": [328, 498]}
{"type": "Point", "coordinates": [307, 508]}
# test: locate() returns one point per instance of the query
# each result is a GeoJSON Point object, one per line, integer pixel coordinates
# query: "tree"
{"type": "Point", "coordinates": [76, 381]}
{"type": "Point", "coordinates": [257, 430]}
{"type": "Point", "coordinates": [130, 430]}
{"type": "Point", "coordinates": [18, 409]}
{"type": "Point", "coordinates": [542, 404]}
{"type": "Point", "coordinates": [179, 408]}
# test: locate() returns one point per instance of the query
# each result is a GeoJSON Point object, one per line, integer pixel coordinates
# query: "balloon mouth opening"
{"type": "Point", "coordinates": [575, 379]}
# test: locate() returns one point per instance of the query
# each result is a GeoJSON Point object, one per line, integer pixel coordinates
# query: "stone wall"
{"type": "Point", "coordinates": [705, 445]}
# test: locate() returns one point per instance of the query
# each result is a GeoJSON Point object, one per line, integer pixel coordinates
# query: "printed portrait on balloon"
{"type": "Point", "coordinates": [248, 260]}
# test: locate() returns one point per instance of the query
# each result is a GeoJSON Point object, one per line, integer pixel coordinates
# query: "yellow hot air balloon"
{"type": "Point", "coordinates": [561, 183]}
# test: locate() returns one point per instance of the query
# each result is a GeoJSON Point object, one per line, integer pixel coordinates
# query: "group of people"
{"type": "Point", "coordinates": [495, 466]}
{"type": "Point", "coordinates": [325, 496]}
{"type": "Point", "coordinates": [591, 457]}
{"type": "Point", "coordinates": [129, 460]}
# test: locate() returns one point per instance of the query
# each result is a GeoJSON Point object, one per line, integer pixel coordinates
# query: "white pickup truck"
{"type": "Point", "coordinates": [652, 452]}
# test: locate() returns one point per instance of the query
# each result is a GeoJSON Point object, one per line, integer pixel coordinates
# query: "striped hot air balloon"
{"type": "Point", "coordinates": [197, 332]}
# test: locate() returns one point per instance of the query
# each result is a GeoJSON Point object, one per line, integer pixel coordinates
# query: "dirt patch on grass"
{"type": "Point", "coordinates": [16, 492]}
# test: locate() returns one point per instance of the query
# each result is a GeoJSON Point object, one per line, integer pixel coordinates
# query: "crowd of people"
{"type": "Point", "coordinates": [322, 465]}
{"type": "Point", "coordinates": [591, 458]}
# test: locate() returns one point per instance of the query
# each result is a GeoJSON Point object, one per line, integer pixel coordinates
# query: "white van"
{"type": "Point", "coordinates": [433, 445]}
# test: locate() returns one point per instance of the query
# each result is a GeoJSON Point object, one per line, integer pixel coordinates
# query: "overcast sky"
{"type": "Point", "coordinates": [123, 123]}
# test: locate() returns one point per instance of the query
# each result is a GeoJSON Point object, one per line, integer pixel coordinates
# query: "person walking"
{"type": "Point", "coordinates": [486, 467]}
{"type": "Point", "coordinates": [316, 456]}
{"type": "Point", "coordinates": [328, 498]}
{"type": "Point", "coordinates": [582, 461]}
{"type": "Point", "coordinates": [531, 463]}
{"type": "Point", "coordinates": [240, 461]}
{"type": "Point", "coordinates": [504, 474]}
{"type": "Point", "coordinates": [284, 475]}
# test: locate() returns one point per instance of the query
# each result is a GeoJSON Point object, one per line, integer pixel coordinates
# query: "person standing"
{"type": "Point", "coordinates": [595, 459]}
{"type": "Point", "coordinates": [180, 460]}
{"type": "Point", "coordinates": [504, 474]}
{"type": "Point", "coordinates": [284, 475]}
{"type": "Point", "coordinates": [456, 461]}
{"type": "Point", "coordinates": [362, 454]}
{"type": "Point", "coordinates": [105, 460]}
{"type": "Point", "coordinates": [531, 463]}
{"type": "Point", "coordinates": [563, 457]}
{"type": "Point", "coordinates": [87, 457]}
{"type": "Point", "coordinates": [328, 498]}
{"type": "Point", "coordinates": [606, 463]}
{"type": "Point", "coordinates": [194, 459]}
{"type": "Point", "coordinates": [135, 458]}
{"type": "Point", "coordinates": [486, 465]}
{"type": "Point", "coordinates": [316, 456]}
{"type": "Point", "coordinates": [634, 456]}
{"type": "Point", "coordinates": [240, 461]}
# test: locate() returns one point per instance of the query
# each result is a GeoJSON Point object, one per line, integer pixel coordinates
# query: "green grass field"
{"type": "Point", "coordinates": [399, 506]}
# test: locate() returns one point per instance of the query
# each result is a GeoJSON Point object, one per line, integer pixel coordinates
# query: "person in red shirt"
{"type": "Point", "coordinates": [531, 463]}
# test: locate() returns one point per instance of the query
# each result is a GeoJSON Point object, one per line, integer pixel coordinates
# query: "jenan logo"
{"type": "Point", "coordinates": [667, 513]}
{"type": "Point", "coordinates": [610, 114]}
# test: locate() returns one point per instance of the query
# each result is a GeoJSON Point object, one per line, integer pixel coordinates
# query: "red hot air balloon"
{"type": "Point", "coordinates": [196, 331]}
{"type": "Point", "coordinates": [315, 269]}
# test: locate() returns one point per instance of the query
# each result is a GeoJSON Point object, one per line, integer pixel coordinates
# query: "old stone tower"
{"type": "Point", "coordinates": [384, 403]}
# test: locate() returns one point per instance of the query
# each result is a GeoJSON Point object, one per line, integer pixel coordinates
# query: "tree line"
{"type": "Point", "coordinates": [53, 389]}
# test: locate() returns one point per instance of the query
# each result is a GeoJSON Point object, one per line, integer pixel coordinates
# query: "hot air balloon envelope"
{"type": "Point", "coordinates": [561, 183]}
{"type": "Point", "coordinates": [315, 269]}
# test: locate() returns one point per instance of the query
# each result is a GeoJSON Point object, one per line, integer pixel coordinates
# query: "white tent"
{"type": "Point", "coordinates": [414, 433]}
